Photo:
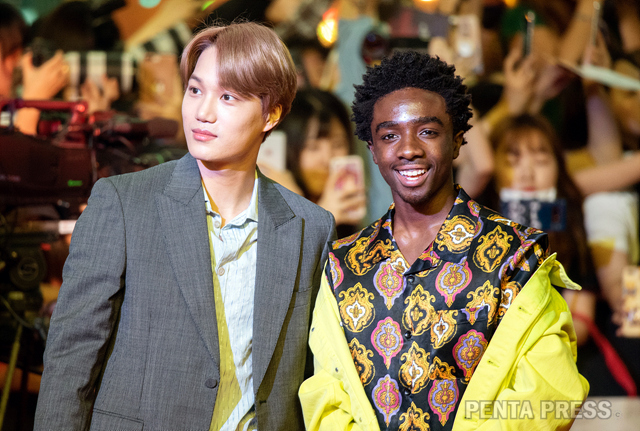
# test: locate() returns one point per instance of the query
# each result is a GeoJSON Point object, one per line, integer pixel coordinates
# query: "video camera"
{"type": "Point", "coordinates": [56, 170]}
{"type": "Point", "coordinates": [63, 164]}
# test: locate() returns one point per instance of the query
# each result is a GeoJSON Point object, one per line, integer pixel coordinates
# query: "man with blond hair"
{"type": "Point", "coordinates": [187, 292]}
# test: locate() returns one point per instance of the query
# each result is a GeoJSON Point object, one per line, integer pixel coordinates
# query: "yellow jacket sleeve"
{"type": "Point", "coordinates": [532, 358]}
{"type": "Point", "coordinates": [333, 399]}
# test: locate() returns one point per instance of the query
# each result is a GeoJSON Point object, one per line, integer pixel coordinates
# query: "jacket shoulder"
{"type": "Point", "coordinates": [154, 175]}
{"type": "Point", "coordinates": [301, 205]}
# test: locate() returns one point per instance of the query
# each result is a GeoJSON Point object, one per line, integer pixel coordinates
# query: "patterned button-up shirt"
{"type": "Point", "coordinates": [417, 332]}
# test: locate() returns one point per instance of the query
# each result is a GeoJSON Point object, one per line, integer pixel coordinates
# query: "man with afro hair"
{"type": "Point", "coordinates": [442, 314]}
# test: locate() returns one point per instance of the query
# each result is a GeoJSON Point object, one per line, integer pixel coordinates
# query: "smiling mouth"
{"type": "Point", "coordinates": [412, 174]}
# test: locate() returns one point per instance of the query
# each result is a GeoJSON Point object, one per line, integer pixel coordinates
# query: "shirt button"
{"type": "Point", "coordinates": [406, 392]}
{"type": "Point", "coordinates": [407, 335]}
{"type": "Point", "coordinates": [221, 271]}
{"type": "Point", "coordinates": [411, 279]}
{"type": "Point", "coordinates": [211, 383]}
{"type": "Point", "coordinates": [216, 224]}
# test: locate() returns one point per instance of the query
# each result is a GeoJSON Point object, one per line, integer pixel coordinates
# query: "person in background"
{"type": "Point", "coordinates": [604, 169]}
{"type": "Point", "coordinates": [12, 32]}
{"type": "Point", "coordinates": [38, 83]}
{"type": "Point", "coordinates": [625, 103]}
{"type": "Point", "coordinates": [530, 165]}
{"type": "Point", "coordinates": [561, 32]}
{"type": "Point", "coordinates": [602, 172]}
{"type": "Point", "coordinates": [188, 289]}
{"type": "Point", "coordinates": [70, 27]}
{"type": "Point", "coordinates": [318, 130]}
{"type": "Point", "coordinates": [612, 221]}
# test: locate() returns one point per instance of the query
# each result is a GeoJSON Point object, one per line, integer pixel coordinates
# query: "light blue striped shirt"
{"type": "Point", "coordinates": [235, 252]}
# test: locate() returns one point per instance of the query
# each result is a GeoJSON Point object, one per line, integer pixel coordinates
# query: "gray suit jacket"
{"type": "Point", "coordinates": [133, 339]}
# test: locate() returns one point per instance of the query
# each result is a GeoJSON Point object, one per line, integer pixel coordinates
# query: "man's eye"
{"type": "Point", "coordinates": [228, 97]}
{"type": "Point", "coordinates": [387, 137]}
{"type": "Point", "coordinates": [428, 132]}
{"type": "Point", "coordinates": [193, 90]}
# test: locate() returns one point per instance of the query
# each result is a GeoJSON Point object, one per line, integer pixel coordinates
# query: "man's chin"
{"type": "Point", "coordinates": [417, 198]}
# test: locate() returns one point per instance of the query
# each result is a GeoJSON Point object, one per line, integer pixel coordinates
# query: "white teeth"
{"type": "Point", "coordinates": [412, 173]}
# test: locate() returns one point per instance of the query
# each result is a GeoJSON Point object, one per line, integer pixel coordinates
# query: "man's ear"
{"type": "Point", "coordinates": [273, 118]}
{"type": "Point", "coordinates": [457, 143]}
{"type": "Point", "coordinates": [373, 154]}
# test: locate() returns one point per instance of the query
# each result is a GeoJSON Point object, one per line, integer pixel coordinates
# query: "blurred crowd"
{"type": "Point", "coordinates": [555, 141]}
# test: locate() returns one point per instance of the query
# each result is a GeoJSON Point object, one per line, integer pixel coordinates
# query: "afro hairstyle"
{"type": "Point", "coordinates": [409, 69]}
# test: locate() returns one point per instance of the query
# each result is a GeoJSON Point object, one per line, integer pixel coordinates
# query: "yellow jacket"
{"type": "Point", "coordinates": [527, 378]}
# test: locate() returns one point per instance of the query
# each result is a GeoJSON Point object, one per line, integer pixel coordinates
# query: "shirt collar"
{"type": "Point", "coordinates": [461, 226]}
{"type": "Point", "coordinates": [252, 209]}
{"type": "Point", "coordinates": [452, 241]}
{"type": "Point", "coordinates": [249, 214]}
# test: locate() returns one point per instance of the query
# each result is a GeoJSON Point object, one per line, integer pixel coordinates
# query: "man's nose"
{"type": "Point", "coordinates": [410, 147]}
{"type": "Point", "coordinates": [206, 112]}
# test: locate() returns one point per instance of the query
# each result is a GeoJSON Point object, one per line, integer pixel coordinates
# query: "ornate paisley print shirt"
{"type": "Point", "coordinates": [417, 332]}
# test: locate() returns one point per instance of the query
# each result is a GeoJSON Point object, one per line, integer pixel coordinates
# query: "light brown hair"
{"type": "Point", "coordinates": [252, 61]}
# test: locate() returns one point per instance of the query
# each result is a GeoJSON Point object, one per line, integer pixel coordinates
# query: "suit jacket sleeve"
{"type": "Point", "coordinates": [85, 315]}
{"type": "Point", "coordinates": [308, 370]}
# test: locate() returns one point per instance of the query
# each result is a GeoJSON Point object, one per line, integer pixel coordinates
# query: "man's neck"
{"type": "Point", "coordinates": [415, 227]}
{"type": "Point", "coordinates": [230, 191]}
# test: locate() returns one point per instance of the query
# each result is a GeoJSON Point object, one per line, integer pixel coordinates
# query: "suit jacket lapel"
{"type": "Point", "coordinates": [279, 242]}
{"type": "Point", "coordinates": [183, 218]}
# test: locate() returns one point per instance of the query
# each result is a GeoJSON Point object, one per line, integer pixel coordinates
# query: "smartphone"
{"type": "Point", "coordinates": [467, 42]}
{"type": "Point", "coordinates": [529, 22]}
{"type": "Point", "coordinates": [350, 168]}
{"type": "Point", "coordinates": [546, 216]}
{"type": "Point", "coordinates": [595, 23]}
{"type": "Point", "coordinates": [273, 151]}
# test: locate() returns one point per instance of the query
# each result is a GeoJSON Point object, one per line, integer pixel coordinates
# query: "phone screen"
{"type": "Point", "coordinates": [350, 168]}
{"type": "Point", "coordinates": [546, 216]}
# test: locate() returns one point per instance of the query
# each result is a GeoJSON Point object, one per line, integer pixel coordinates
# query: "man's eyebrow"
{"type": "Point", "coordinates": [195, 78]}
{"type": "Point", "coordinates": [419, 120]}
